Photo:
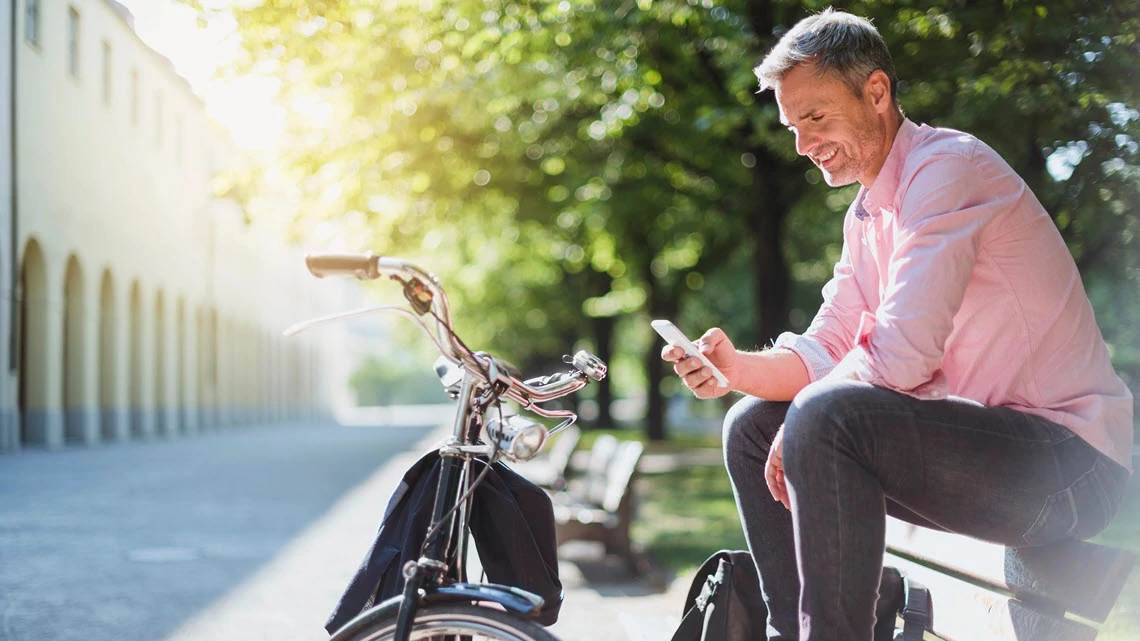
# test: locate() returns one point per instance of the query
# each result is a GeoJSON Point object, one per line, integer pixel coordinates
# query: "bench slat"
{"type": "Point", "coordinates": [966, 612]}
{"type": "Point", "coordinates": [1077, 576]}
{"type": "Point", "coordinates": [602, 508]}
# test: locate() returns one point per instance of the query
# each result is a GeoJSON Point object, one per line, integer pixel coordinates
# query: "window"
{"type": "Point", "coordinates": [158, 118]}
{"type": "Point", "coordinates": [106, 73]}
{"type": "Point", "coordinates": [32, 21]}
{"type": "Point", "coordinates": [73, 41]}
{"type": "Point", "coordinates": [178, 139]}
{"type": "Point", "coordinates": [134, 96]}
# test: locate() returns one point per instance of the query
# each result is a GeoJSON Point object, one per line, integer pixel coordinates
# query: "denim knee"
{"type": "Point", "coordinates": [815, 422]}
{"type": "Point", "coordinates": [749, 427]}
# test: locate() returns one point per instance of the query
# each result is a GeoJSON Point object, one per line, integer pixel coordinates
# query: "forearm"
{"type": "Point", "coordinates": [773, 374]}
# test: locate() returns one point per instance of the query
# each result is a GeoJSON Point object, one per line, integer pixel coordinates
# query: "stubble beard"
{"type": "Point", "coordinates": [868, 139]}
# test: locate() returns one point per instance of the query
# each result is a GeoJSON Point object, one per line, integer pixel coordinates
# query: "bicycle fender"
{"type": "Point", "coordinates": [512, 599]}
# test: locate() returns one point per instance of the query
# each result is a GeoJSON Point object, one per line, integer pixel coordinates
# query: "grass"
{"type": "Point", "coordinates": [686, 515]}
{"type": "Point", "coordinates": [677, 442]}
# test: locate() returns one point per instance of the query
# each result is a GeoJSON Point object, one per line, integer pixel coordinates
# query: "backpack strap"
{"type": "Point", "coordinates": [692, 626]}
{"type": "Point", "coordinates": [917, 611]}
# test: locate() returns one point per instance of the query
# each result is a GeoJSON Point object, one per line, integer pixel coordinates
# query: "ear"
{"type": "Point", "coordinates": [877, 89]}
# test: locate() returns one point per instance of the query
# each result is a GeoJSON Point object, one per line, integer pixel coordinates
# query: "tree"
{"type": "Point", "coordinates": [544, 154]}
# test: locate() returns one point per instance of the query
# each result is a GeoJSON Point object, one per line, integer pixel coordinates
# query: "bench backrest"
{"type": "Point", "coordinates": [620, 474]}
{"type": "Point", "coordinates": [594, 476]}
{"type": "Point", "coordinates": [561, 452]}
{"type": "Point", "coordinates": [1045, 582]}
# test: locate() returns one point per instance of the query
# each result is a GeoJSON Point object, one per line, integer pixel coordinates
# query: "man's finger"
{"type": "Point", "coordinates": [770, 479]}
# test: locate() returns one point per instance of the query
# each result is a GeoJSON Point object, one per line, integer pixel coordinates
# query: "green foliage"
{"type": "Point", "coordinates": [394, 381]}
{"type": "Point", "coordinates": [560, 162]}
{"type": "Point", "coordinates": [687, 514]}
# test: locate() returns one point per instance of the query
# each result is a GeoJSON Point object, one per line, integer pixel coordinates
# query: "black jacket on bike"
{"type": "Point", "coordinates": [512, 522]}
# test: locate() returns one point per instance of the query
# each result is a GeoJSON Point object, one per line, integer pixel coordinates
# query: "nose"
{"type": "Point", "coordinates": [805, 142]}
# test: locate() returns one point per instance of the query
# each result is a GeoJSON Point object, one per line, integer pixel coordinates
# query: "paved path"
{"type": "Point", "coordinates": [243, 535]}
{"type": "Point", "coordinates": [142, 541]}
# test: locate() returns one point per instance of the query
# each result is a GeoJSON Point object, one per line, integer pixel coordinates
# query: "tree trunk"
{"type": "Point", "coordinates": [655, 367]}
{"type": "Point", "coordinates": [654, 400]}
{"type": "Point", "coordinates": [603, 338]}
{"type": "Point", "coordinates": [771, 276]}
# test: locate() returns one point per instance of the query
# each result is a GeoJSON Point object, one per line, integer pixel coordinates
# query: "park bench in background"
{"type": "Point", "coordinates": [971, 583]}
{"type": "Point", "coordinates": [599, 505]}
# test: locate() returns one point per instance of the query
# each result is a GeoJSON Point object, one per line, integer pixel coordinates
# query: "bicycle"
{"type": "Point", "coordinates": [432, 606]}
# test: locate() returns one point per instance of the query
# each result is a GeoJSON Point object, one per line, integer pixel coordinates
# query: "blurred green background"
{"type": "Point", "coordinates": [573, 168]}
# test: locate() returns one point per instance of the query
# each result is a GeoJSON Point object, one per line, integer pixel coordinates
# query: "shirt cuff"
{"type": "Point", "coordinates": [814, 355]}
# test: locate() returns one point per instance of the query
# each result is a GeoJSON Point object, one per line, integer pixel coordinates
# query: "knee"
{"type": "Point", "coordinates": [817, 421]}
{"type": "Point", "coordinates": [749, 427]}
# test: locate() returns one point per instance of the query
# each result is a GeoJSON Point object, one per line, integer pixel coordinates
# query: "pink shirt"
{"type": "Point", "coordinates": [954, 281]}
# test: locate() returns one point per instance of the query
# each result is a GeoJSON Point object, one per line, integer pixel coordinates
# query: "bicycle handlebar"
{"type": "Point", "coordinates": [362, 266]}
{"type": "Point", "coordinates": [425, 294]}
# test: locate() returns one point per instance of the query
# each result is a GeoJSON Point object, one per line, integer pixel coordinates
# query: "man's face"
{"type": "Point", "coordinates": [839, 132]}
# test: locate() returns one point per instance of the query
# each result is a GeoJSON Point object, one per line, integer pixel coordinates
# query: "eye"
{"type": "Point", "coordinates": [816, 118]}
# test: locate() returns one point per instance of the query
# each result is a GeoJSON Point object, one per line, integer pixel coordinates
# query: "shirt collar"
{"type": "Point", "coordinates": [871, 201]}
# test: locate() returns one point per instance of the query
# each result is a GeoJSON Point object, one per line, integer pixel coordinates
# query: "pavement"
{"type": "Point", "coordinates": [242, 534]}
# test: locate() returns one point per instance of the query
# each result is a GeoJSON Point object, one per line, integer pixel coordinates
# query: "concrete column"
{"type": "Point", "coordinates": [9, 409]}
{"type": "Point", "coordinates": [171, 360]}
{"type": "Point", "coordinates": [45, 423]}
{"type": "Point", "coordinates": [87, 413]}
{"type": "Point", "coordinates": [191, 364]}
{"type": "Point", "coordinates": [118, 413]}
{"type": "Point", "coordinates": [144, 409]}
{"type": "Point", "coordinates": [224, 393]}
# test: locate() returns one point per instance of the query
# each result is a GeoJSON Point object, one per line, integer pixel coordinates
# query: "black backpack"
{"type": "Point", "coordinates": [512, 523]}
{"type": "Point", "coordinates": [724, 603]}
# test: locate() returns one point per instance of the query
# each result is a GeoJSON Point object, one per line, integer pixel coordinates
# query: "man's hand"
{"type": "Point", "coordinates": [774, 470]}
{"type": "Point", "coordinates": [719, 350]}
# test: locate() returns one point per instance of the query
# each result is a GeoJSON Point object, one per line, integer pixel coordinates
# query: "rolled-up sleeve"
{"type": "Point", "coordinates": [943, 213]}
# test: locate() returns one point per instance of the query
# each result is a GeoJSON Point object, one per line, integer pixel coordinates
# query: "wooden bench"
{"type": "Point", "coordinates": [599, 506]}
{"type": "Point", "coordinates": [987, 592]}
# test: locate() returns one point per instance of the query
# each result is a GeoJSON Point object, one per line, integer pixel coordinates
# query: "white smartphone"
{"type": "Point", "coordinates": [674, 337]}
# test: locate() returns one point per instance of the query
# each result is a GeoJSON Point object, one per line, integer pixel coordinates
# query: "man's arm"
{"type": "Point", "coordinates": [948, 204]}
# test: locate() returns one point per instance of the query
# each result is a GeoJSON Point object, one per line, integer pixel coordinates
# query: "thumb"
{"type": "Point", "coordinates": [712, 340]}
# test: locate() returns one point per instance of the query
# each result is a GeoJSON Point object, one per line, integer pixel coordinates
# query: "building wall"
{"type": "Point", "coordinates": [8, 415]}
{"type": "Point", "coordinates": [147, 306]}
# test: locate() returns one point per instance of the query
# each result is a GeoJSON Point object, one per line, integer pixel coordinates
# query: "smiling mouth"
{"type": "Point", "coordinates": [821, 160]}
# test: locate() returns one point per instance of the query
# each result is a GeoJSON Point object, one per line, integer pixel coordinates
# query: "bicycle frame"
{"type": "Point", "coordinates": [483, 386]}
{"type": "Point", "coordinates": [428, 573]}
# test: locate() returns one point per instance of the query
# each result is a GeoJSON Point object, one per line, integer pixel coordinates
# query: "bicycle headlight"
{"type": "Point", "coordinates": [517, 436]}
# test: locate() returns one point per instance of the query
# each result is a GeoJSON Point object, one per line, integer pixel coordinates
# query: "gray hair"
{"type": "Point", "coordinates": [833, 41]}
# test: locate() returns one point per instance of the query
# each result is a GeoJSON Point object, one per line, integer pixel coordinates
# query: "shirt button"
{"type": "Point", "coordinates": [935, 394]}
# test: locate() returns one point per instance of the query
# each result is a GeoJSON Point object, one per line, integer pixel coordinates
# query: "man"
{"type": "Point", "coordinates": [954, 376]}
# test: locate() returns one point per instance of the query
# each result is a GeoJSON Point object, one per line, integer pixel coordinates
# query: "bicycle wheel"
{"type": "Point", "coordinates": [467, 621]}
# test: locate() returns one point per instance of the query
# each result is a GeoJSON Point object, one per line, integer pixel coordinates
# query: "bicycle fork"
{"type": "Point", "coordinates": [429, 566]}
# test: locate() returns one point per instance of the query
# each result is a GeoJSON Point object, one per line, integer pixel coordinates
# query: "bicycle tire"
{"type": "Point", "coordinates": [461, 621]}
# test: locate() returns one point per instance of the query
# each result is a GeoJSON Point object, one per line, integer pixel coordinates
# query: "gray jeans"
{"type": "Point", "coordinates": [854, 453]}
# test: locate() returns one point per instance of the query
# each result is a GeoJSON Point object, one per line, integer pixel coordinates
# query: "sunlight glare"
{"type": "Point", "coordinates": [243, 105]}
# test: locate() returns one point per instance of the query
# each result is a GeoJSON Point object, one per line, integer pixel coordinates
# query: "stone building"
{"type": "Point", "coordinates": [134, 302]}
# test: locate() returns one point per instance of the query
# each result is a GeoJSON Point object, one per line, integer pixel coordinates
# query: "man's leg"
{"type": "Point", "coordinates": [852, 450]}
{"type": "Point", "coordinates": [748, 431]}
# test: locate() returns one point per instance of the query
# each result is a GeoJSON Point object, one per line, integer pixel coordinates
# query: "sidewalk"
{"type": "Point", "coordinates": [604, 602]}
{"type": "Point", "coordinates": [289, 598]}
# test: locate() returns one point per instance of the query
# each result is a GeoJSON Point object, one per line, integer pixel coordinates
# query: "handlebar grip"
{"type": "Point", "coordinates": [362, 266]}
